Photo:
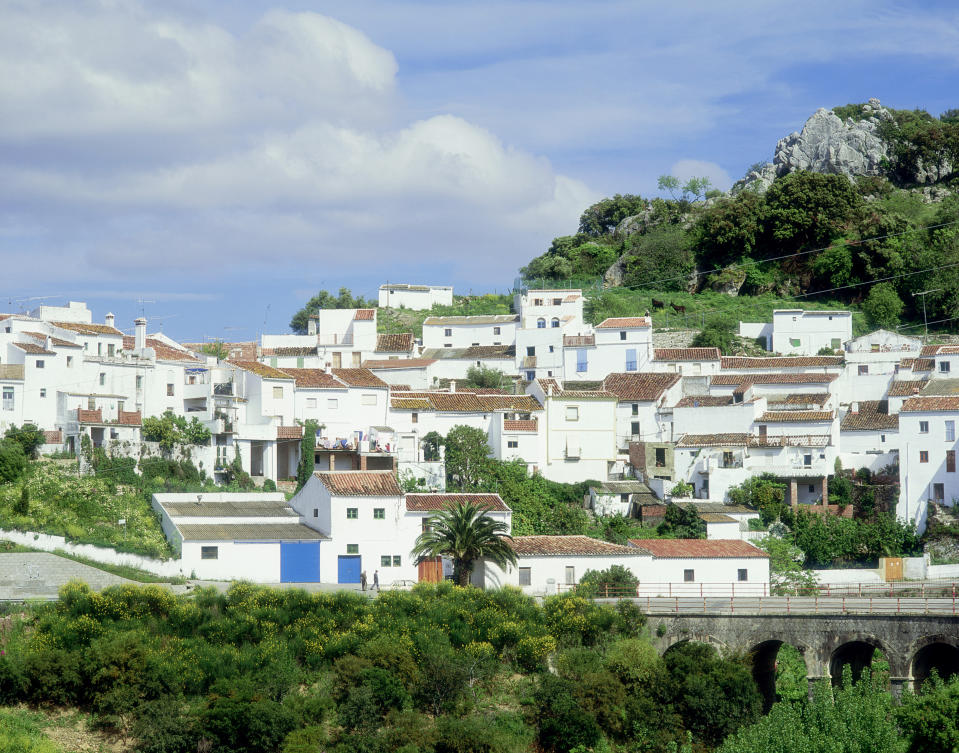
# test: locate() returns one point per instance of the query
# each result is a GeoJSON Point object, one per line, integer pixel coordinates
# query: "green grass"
{"type": "Point", "coordinates": [22, 731]}
{"type": "Point", "coordinates": [389, 320]}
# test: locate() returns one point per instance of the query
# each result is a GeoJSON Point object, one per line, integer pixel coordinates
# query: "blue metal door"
{"type": "Point", "coordinates": [299, 561]}
{"type": "Point", "coordinates": [348, 568]}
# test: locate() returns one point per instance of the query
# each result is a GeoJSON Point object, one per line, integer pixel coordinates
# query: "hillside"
{"type": "Point", "coordinates": [858, 209]}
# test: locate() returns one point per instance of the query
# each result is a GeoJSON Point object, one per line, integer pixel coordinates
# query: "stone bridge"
{"type": "Point", "coordinates": [914, 644]}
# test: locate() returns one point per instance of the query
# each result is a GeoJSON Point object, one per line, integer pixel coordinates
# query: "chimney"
{"type": "Point", "coordinates": [549, 389]}
{"type": "Point", "coordinates": [328, 368]}
{"type": "Point", "coordinates": [311, 326]}
{"type": "Point", "coordinates": [46, 343]}
{"type": "Point", "coordinates": [854, 408]}
{"type": "Point", "coordinates": [109, 320]}
{"type": "Point", "coordinates": [452, 385]}
{"type": "Point", "coordinates": [139, 333]}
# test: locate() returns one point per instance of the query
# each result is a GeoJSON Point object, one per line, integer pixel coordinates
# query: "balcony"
{"type": "Point", "coordinates": [224, 389]}
{"type": "Point", "coordinates": [197, 390]}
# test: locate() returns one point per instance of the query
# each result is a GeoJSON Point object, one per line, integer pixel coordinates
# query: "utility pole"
{"type": "Point", "coordinates": [925, 321]}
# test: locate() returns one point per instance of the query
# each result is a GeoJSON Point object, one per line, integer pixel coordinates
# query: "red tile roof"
{"type": "Point", "coordinates": [686, 354]}
{"type": "Point", "coordinates": [791, 440]}
{"type": "Point", "coordinates": [639, 386]}
{"type": "Point", "coordinates": [906, 387]}
{"type": "Point", "coordinates": [921, 404]}
{"type": "Point", "coordinates": [312, 378]}
{"type": "Point", "coordinates": [164, 352]}
{"type": "Point", "coordinates": [780, 362]}
{"type": "Point", "coordinates": [364, 315]}
{"type": "Point", "coordinates": [799, 398]}
{"type": "Point", "coordinates": [394, 343]}
{"type": "Point", "coordinates": [292, 351]}
{"type": "Point", "coordinates": [359, 378]}
{"type": "Point", "coordinates": [939, 350]}
{"type": "Point", "coordinates": [443, 500]}
{"type": "Point", "coordinates": [625, 322]}
{"type": "Point", "coordinates": [583, 546]}
{"type": "Point", "coordinates": [520, 424]}
{"type": "Point", "coordinates": [34, 349]}
{"type": "Point", "coordinates": [53, 340]}
{"type": "Point", "coordinates": [705, 401]}
{"type": "Point", "coordinates": [398, 363]}
{"type": "Point", "coordinates": [360, 483]}
{"type": "Point", "coordinates": [736, 379]}
{"type": "Point", "coordinates": [88, 329]}
{"type": "Point", "coordinates": [261, 370]}
{"type": "Point", "coordinates": [289, 432]}
{"type": "Point", "coordinates": [713, 440]}
{"type": "Point", "coordinates": [236, 351]}
{"type": "Point", "coordinates": [873, 415]}
{"type": "Point", "coordinates": [699, 548]}
{"type": "Point", "coordinates": [794, 416]}
{"type": "Point", "coordinates": [513, 403]}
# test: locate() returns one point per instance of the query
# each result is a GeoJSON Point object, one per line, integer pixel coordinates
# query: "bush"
{"type": "Point", "coordinates": [28, 436]}
{"type": "Point", "coordinates": [616, 580]}
{"type": "Point", "coordinates": [883, 306]}
{"type": "Point", "coordinates": [13, 461]}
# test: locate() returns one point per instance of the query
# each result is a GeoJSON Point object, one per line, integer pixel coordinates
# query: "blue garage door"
{"type": "Point", "coordinates": [348, 568]}
{"type": "Point", "coordinates": [299, 562]}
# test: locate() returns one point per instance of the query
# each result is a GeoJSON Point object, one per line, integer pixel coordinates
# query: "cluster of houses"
{"type": "Point", "coordinates": [596, 402]}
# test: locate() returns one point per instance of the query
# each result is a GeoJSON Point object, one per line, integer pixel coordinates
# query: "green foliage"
{"type": "Point", "coordinates": [730, 228]}
{"type": "Point", "coordinates": [883, 306]}
{"type": "Point", "coordinates": [615, 580]}
{"type": "Point", "coordinates": [432, 441]}
{"type": "Point", "coordinates": [765, 493]}
{"type": "Point", "coordinates": [930, 719]}
{"type": "Point", "coordinates": [602, 217]}
{"type": "Point", "coordinates": [792, 682]}
{"type": "Point", "coordinates": [915, 140]}
{"type": "Point", "coordinates": [326, 300]}
{"type": "Point", "coordinates": [465, 533]}
{"type": "Point", "coordinates": [681, 523]}
{"type": "Point", "coordinates": [28, 436]}
{"type": "Point", "coordinates": [467, 457]}
{"type": "Point", "coordinates": [13, 461]}
{"type": "Point", "coordinates": [809, 210]}
{"type": "Point", "coordinates": [170, 430]}
{"type": "Point", "coordinates": [22, 732]}
{"type": "Point", "coordinates": [486, 376]}
{"type": "Point", "coordinates": [718, 333]}
{"type": "Point", "coordinates": [786, 574]}
{"type": "Point", "coordinates": [661, 258]}
{"type": "Point", "coordinates": [828, 540]}
{"type": "Point", "coordinates": [215, 348]}
{"type": "Point", "coordinates": [307, 462]}
{"type": "Point", "coordinates": [22, 505]}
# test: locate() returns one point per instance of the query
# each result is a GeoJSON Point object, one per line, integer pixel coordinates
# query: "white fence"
{"type": "Point", "coordinates": [48, 543]}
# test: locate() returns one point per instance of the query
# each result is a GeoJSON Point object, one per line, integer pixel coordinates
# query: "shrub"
{"type": "Point", "coordinates": [28, 436]}
{"type": "Point", "coordinates": [616, 580]}
{"type": "Point", "coordinates": [13, 461]}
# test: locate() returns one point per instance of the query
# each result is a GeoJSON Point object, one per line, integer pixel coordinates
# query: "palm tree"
{"type": "Point", "coordinates": [466, 533]}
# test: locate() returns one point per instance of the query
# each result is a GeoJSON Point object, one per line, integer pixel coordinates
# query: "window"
{"type": "Point", "coordinates": [551, 348]}
{"type": "Point", "coordinates": [448, 332]}
{"type": "Point", "coordinates": [938, 492]}
{"type": "Point", "coordinates": [512, 443]}
{"type": "Point", "coordinates": [43, 392]}
{"type": "Point", "coordinates": [299, 362]}
{"type": "Point", "coordinates": [357, 359]}
{"type": "Point", "coordinates": [795, 342]}
{"type": "Point", "coordinates": [120, 406]}
{"type": "Point", "coordinates": [169, 390]}
{"type": "Point", "coordinates": [103, 380]}
{"type": "Point", "coordinates": [634, 429]}
{"type": "Point", "coordinates": [530, 376]}
{"type": "Point", "coordinates": [581, 360]}
{"type": "Point", "coordinates": [40, 363]}
{"type": "Point", "coordinates": [807, 460]}
{"type": "Point", "coordinates": [742, 575]}
{"type": "Point", "coordinates": [139, 382]}
{"type": "Point", "coordinates": [316, 512]}
{"type": "Point", "coordinates": [631, 359]}
{"type": "Point", "coordinates": [570, 575]}
{"type": "Point", "coordinates": [352, 548]}
{"type": "Point", "coordinates": [863, 369]}
{"type": "Point", "coordinates": [496, 331]}
{"type": "Point", "coordinates": [835, 343]}
{"type": "Point", "coordinates": [332, 403]}
{"type": "Point", "coordinates": [554, 323]}
{"type": "Point", "coordinates": [277, 393]}
{"type": "Point", "coordinates": [572, 413]}
{"type": "Point", "coordinates": [541, 323]}
{"type": "Point", "coordinates": [99, 349]}
{"type": "Point", "coordinates": [368, 399]}
{"type": "Point", "coordinates": [385, 560]}
{"type": "Point", "coordinates": [209, 553]}
{"type": "Point", "coordinates": [311, 402]}
{"type": "Point", "coordinates": [273, 362]}
{"type": "Point", "coordinates": [531, 350]}
{"type": "Point", "coordinates": [923, 427]}
{"type": "Point", "coordinates": [943, 367]}
{"type": "Point", "coordinates": [689, 576]}
{"type": "Point", "coordinates": [557, 301]}
{"type": "Point", "coordinates": [923, 456]}
{"type": "Point", "coordinates": [950, 461]}
{"type": "Point", "coordinates": [525, 576]}
{"type": "Point", "coordinates": [950, 431]}
{"type": "Point", "coordinates": [69, 362]}
{"type": "Point", "coordinates": [397, 560]}
{"type": "Point", "coordinates": [379, 513]}
{"type": "Point", "coordinates": [414, 418]}
{"type": "Point", "coordinates": [111, 349]}
{"type": "Point", "coordinates": [537, 301]}
{"type": "Point", "coordinates": [91, 404]}
{"type": "Point", "coordinates": [635, 409]}
{"type": "Point", "coordinates": [660, 457]}
{"type": "Point", "coordinates": [882, 437]}
{"type": "Point", "coordinates": [114, 434]}
{"type": "Point", "coordinates": [352, 513]}
{"type": "Point", "coordinates": [622, 335]}
{"type": "Point", "coordinates": [447, 345]}
{"type": "Point", "coordinates": [8, 398]}
{"type": "Point", "coordinates": [812, 488]}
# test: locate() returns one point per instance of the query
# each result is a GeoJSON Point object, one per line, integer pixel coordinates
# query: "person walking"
{"type": "Point", "coordinates": [376, 579]}
{"type": "Point", "coordinates": [363, 580]}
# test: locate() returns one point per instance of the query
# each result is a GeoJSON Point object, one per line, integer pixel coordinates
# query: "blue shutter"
{"type": "Point", "coordinates": [631, 359]}
{"type": "Point", "coordinates": [581, 359]}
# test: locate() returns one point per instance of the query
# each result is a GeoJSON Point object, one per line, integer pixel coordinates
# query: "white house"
{"type": "Point", "coordinates": [704, 567]}
{"type": "Point", "coordinates": [622, 344]}
{"type": "Point", "coordinates": [869, 435]}
{"type": "Point", "coordinates": [415, 297]}
{"type": "Point", "coordinates": [469, 331]}
{"type": "Point", "coordinates": [644, 405]}
{"type": "Point", "coordinates": [872, 361]}
{"type": "Point", "coordinates": [549, 309]}
{"type": "Point", "coordinates": [686, 361]}
{"type": "Point", "coordinates": [620, 497]}
{"type": "Point", "coordinates": [799, 332]}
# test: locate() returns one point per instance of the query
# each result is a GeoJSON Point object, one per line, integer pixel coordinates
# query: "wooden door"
{"type": "Point", "coordinates": [431, 570]}
{"type": "Point", "coordinates": [892, 568]}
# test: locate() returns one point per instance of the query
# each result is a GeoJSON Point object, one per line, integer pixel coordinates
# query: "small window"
{"type": "Point", "coordinates": [950, 431]}
{"type": "Point", "coordinates": [299, 362]}
{"type": "Point", "coordinates": [938, 492]}
{"type": "Point", "coordinates": [882, 437]}
{"type": "Point", "coordinates": [863, 369]}
{"type": "Point", "coordinates": [69, 362]}
{"type": "Point", "coordinates": [332, 403]}
{"type": "Point", "coordinates": [557, 301]}
{"type": "Point", "coordinates": [311, 402]}
{"type": "Point", "coordinates": [635, 409]}
{"type": "Point", "coordinates": [103, 379]}
{"type": "Point", "coordinates": [570, 575]}
{"type": "Point", "coordinates": [40, 364]}
{"type": "Point", "coordinates": [572, 413]}
{"type": "Point", "coordinates": [414, 418]}
{"type": "Point", "coordinates": [352, 513]}
{"type": "Point", "coordinates": [43, 392]}
{"type": "Point", "coordinates": [368, 399]}
{"type": "Point", "coordinates": [943, 367]}
{"type": "Point", "coordinates": [622, 334]}
{"type": "Point", "coordinates": [352, 548]}
{"type": "Point", "coordinates": [273, 362]}
{"type": "Point", "coordinates": [581, 360]}
{"type": "Point", "coordinates": [531, 350]}
{"type": "Point", "coordinates": [812, 488]}
{"type": "Point", "coordinates": [277, 393]}
{"type": "Point", "coordinates": [950, 461]}
{"type": "Point", "coordinates": [923, 427]}
{"type": "Point", "coordinates": [496, 330]}
{"type": "Point", "coordinates": [551, 348]}
{"type": "Point", "coordinates": [807, 460]}
{"type": "Point", "coordinates": [836, 343]}
{"type": "Point", "coordinates": [111, 349]}
{"type": "Point", "coordinates": [689, 576]}
{"type": "Point", "coordinates": [537, 301]}
{"type": "Point", "coordinates": [397, 560]}
{"type": "Point", "coordinates": [540, 323]}
{"type": "Point", "coordinates": [742, 575]}
{"type": "Point", "coordinates": [448, 332]}
{"type": "Point", "coordinates": [525, 576]}
{"type": "Point", "coordinates": [91, 404]}
{"type": "Point", "coordinates": [139, 382]}
{"type": "Point", "coordinates": [385, 560]}
{"type": "Point", "coordinates": [923, 456]}
{"type": "Point", "coordinates": [512, 443]}
{"type": "Point", "coordinates": [530, 376]}
{"type": "Point", "coordinates": [795, 342]}
{"type": "Point", "coordinates": [554, 323]}
{"type": "Point", "coordinates": [169, 390]}
{"type": "Point", "coordinates": [660, 457]}
{"type": "Point", "coordinates": [316, 512]}
{"type": "Point", "coordinates": [379, 513]}
{"type": "Point", "coordinates": [209, 553]}
{"type": "Point", "coordinates": [634, 428]}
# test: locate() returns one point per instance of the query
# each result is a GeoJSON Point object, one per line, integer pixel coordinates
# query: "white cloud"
{"type": "Point", "coordinates": [685, 169]}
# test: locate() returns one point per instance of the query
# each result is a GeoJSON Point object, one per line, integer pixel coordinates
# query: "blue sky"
{"type": "Point", "coordinates": [224, 161]}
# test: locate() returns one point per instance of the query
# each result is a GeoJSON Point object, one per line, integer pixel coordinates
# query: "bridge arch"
{"type": "Point", "coordinates": [938, 652]}
{"type": "Point", "coordinates": [763, 656]}
{"type": "Point", "coordinates": [857, 650]}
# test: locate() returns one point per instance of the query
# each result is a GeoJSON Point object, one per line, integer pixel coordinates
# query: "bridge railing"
{"type": "Point", "coordinates": [897, 589]}
{"type": "Point", "coordinates": [798, 605]}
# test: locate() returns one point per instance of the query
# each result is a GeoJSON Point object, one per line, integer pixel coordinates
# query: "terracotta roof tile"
{"type": "Point", "coordinates": [923, 364]}
{"type": "Point", "coordinates": [686, 354]}
{"type": "Point", "coordinates": [939, 350]}
{"type": "Point", "coordinates": [360, 483]}
{"type": "Point", "coordinates": [791, 440]}
{"type": "Point", "coordinates": [359, 378]}
{"type": "Point", "coordinates": [88, 329]}
{"type": "Point", "coordinates": [735, 379]}
{"type": "Point", "coordinates": [713, 440]}
{"type": "Point", "coordinates": [479, 319]}
{"type": "Point", "coordinates": [529, 424]}
{"type": "Point", "coordinates": [639, 386]}
{"type": "Point", "coordinates": [364, 315]}
{"type": "Point", "coordinates": [716, 517]}
{"type": "Point", "coordinates": [873, 415]}
{"type": "Point", "coordinates": [794, 416]}
{"type": "Point", "coordinates": [410, 403]}
{"type": "Point", "coordinates": [261, 370]}
{"type": "Point", "coordinates": [699, 548]}
{"type": "Point", "coordinates": [394, 343]}
{"type": "Point", "coordinates": [53, 340]}
{"type": "Point", "coordinates": [584, 546]}
{"type": "Point", "coordinates": [312, 378]}
{"type": "Point", "coordinates": [918, 404]}
{"type": "Point", "coordinates": [33, 349]}
{"type": "Point", "coordinates": [300, 351]}
{"type": "Point", "coordinates": [520, 403]}
{"type": "Point", "coordinates": [906, 387]}
{"type": "Point", "coordinates": [398, 363]}
{"type": "Point", "coordinates": [780, 362]}
{"type": "Point", "coordinates": [625, 322]}
{"type": "Point", "coordinates": [799, 398]}
{"type": "Point", "coordinates": [443, 500]}
{"type": "Point", "coordinates": [705, 401]}
{"type": "Point", "coordinates": [164, 352]}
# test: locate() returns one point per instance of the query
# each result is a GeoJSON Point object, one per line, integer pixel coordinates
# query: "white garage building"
{"type": "Point", "coordinates": [703, 567]}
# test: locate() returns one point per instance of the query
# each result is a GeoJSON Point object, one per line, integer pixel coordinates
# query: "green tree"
{"type": "Point", "coordinates": [432, 441]}
{"type": "Point", "coordinates": [661, 258]}
{"type": "Point", "coordinates": [730, 228]}
{"type": "Point", "coordinates": [13, 461]}
{"type": "Point", "coordinates": [467, 457]}
{"type": "Point", "coordinates": [765, 493]}
{"type": "Point", "coordinates": [786, 574]}
{"type": "Point", "coordinates": [718, 333]}
{"type": "Point", "coordinates": [169, 431]}
{"type": "Point", "coordinates": [883, 306]}
{"type": "Point", "coordinates": [307, 462]}
{"type": "Point", "coordinates": [681, 523]}
{"type": "Point", "coordinates": [486, 376]}
{"type": "Point", "coordinates": [602, 217]}
{"type": "Point", "coordinates": [22, 505]}
{"type": "Point", "coordinates": [466, 533]}
{"type": "Point", "coordinates": [215, 348]}
{"type": "Point", "coordinates": [326, 300]}
{"type": "Point", "coordinates": [28, 436]}
{"type": "Point", "coordinates": [615, 581]}
{"type": "Point", "coordinates": [810, 210]}
{"type": "Point", "coordinates": [930, 719]}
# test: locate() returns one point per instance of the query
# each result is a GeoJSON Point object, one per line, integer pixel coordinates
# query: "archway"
{"type": "Point", "coordinates": [780, 672]}
{"type": "Point", "coordinates": [859, 655]}
{"type": "Point", "coordinates": [936, 655]}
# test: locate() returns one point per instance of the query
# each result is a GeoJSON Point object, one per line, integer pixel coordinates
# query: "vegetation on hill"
{"type": "Point", "coordinates": [390, 320]}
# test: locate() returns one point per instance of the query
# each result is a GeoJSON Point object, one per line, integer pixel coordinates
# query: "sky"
{"type": "Point", "coordinates": [211, 165]}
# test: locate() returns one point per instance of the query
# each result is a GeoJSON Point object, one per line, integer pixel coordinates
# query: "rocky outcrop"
{"type": "Point", "coordinates": [826, 144]}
